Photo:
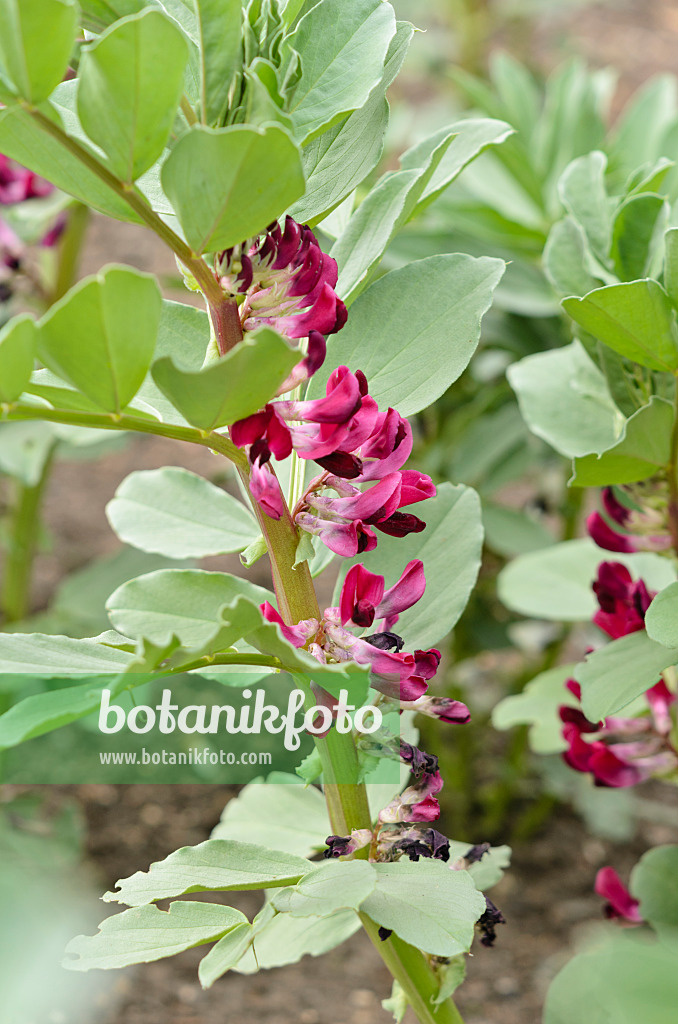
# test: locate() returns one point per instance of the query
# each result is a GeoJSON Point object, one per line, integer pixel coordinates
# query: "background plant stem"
{"type": "Point", "coordinates": [22, 543]}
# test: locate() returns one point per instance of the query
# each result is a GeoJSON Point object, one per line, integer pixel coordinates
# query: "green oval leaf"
{"type": "Point", "coordinates": [217, 865]}
{"type": "Point", "coordinates": [234, 386]}
{"type": "Point", "coordinates": [25, 25]}
{"type": "Point", "coordinates": [227, 184]}
{"type": "Point", "coordinates": [409, 349]}
{"type": "Point", "coordinates": [178, 514]}
{"type": "Point", "coordinates": [17, 356]}
{"type": "Point", "coordinates": [101, 336]}
{"type": "Point", "coordinates": [144, 934]}
{"type": "Point", "coordinates": [130, 83]}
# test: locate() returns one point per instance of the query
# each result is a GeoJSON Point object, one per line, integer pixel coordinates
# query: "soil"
{"type": "Point", "coordinates": [547, 897]}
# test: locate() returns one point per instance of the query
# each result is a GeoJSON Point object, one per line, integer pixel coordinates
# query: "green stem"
{"type": "Point", "coordinates": [70, 247]}
{"type": "Point", "coordinates": [125, 421]}
{"type": "Point", "coordinates": [411, 970]}
{"type": "Point", "coordinates": [24, 533]}
{"type": "Point", "coordinates": [673, 479]}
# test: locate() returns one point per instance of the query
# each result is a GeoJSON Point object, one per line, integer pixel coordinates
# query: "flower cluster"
{"type": "Point", "coordinates": [644, 527]}
{"type": "Point", "coordinates": [19, 185]}
{"type": "Point", "coordinates": [287, 282]}
{"type": "Point", "coordinates": [395, 673]}
{"type": "Point", "coordinates": [618, 751]}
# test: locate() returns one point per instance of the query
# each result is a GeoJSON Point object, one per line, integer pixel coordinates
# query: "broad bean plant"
{"type": "Point", "coordinates": [241, 135]}
{"type": "Point", "coordinates": [608, 401]}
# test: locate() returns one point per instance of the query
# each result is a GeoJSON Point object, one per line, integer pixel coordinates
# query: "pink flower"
{"type": "Point", "coordinates": [416, 803]}
{"type": "Point", "coordinates": [18, 184]}
{"type": "Point", "coordinates": [443, 708]}
{"type": "Point", "coordinates": [363, 598]}
{"type": "Point", "coordinates": [621, 752]}
{"type": "Point", "coordinates": [287, 280]}
{"type": "Point", "coordinates": [620, 903]}
{"type": "Point", "coordinates": [623, 602]}
{"type": "Point", "coordinates": [641, 526]}
{"type": "Point", "coordinates": [298, 635]}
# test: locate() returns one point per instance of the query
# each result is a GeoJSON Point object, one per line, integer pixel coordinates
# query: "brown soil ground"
{"type": "Point", "coordinates": [547, 897]}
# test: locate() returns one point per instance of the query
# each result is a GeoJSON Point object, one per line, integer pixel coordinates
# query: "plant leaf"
{"type": "Point", "coordinates": [616, 674]}
{"type": "Point", "coordinates": [217, 865]}
{"type": "Point", "coordinates": [130, 82]}
{"type": "Point", "coordinates": [403, 343]}
{"type": "Point", "coordinates": [236, 385]}
{"type": "Point", "coordinates": [100, 337]}
{"type": "Point", "coordinates": [342, 52]}
{"type": "Point", "coordinates": [427, 905]}
{"type": "Point", "coordinates": [634, 319]}
{"type": "Point", "coordinates": [17, 356]}
{"type": "Point", "coordinates": [34, 68]}
{"type": "Point", "coordinates": [227, 184]}
{"type": "Point", "coordinates": [144, 934]}
{"type": "Point", "coordinates": [178, 514]}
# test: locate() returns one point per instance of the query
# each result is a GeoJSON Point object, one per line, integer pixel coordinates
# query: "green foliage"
{"type": "Point", "coordinates": [144, 934]}
{"type": "Point", "coordinates": [135, 71]}
{"type": "Point", "coordinates": [175, 513]}
{"type": "Point", "coordinates": [227, 184]}
{"type": "Point", "coordinates": [643, 450]}
{"type": "Point", "coordinates": [31, 69]}
{"type": "Point", "coordinates": [556, 583]}
{"type": "Point", "coordinates": [101, 336]}
{"type": "Point", "coordinates": [565, 399]}
{"type": "Point", "coordinates": [653, 883]}
{"type": "Point", "coordinates": [426, 904]}
{"type": "Point", "coordinates": [616, 674]}
{"type": "Point", "coordinates": [220, 34]}
{"type": "Point", "coordinates": [636, 320]}
{"type": "Point", "coordinates": [217, 865]}
{"type": "Point", "coordinates": [327, 888]}
{"type": "Point", "coordinates": [402, 342]}
{"type": "Point", "coordinates": [17, 357]}
{"type": "Point", "coordinates": [342, 57]}
{"type": "Point", "coordinates": [235, 386]}
{"type": "Point", "coordinates": [662, 617]}
{"type": "Point", "coordinates": [625, 977]}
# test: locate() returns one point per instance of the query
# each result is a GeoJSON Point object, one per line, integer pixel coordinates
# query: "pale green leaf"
{"type": "Point", "coordinates": [236, 385]}
{"type": "Point", "coordinates": [144, 934]}
{"type": "Point", "coordinates": [17, 356]}
{"type": "Point", "coordinates": [228, 184]}
{"type": "Point", "coordinates": [342, 50]}
{"type": "Point", "coordinates": [130, 83]}
{"type": "Point", "coordinates": [175, 513]}
{"type": "Point", "coordinates": [661, 620]}
{"type": "Point", "coordinates": [412, 349]}
{"type": "Point", "coordinates": [427, 905]}
{"type": "Point", "coordinates": [565, 399]}
{"type": "Point", "coordinates": [635, 319]}
{"type": "Point", "coordinates": [616, 674]}
{"type": "Point", "coordinates": [101, 336]}
{"type": "Point", "coordinates": [217, 865]}
{"type": "Point", "coordinates": [556, 583]}
{"type": "Point", "coordinates": [642, 451]}
{"type": "Point", "coordinates": [25, 25]}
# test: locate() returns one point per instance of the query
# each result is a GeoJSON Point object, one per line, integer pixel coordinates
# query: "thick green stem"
{"type": "Point", "coordinates": [23, 538]}
{"type": "Point", "coordinates": [411, 970]}
{"type": "Point", "coordinates": [673, 479]}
